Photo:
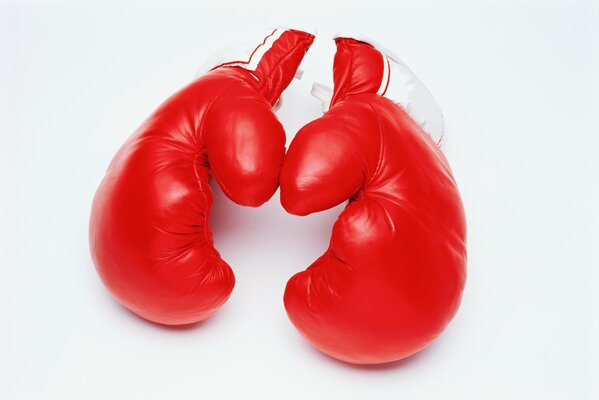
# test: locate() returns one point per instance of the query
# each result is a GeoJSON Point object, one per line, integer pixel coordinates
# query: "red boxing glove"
{"type": "Point", "coordinates": [149, 233]}
{"type": "Point", "coordinates": [393, 275]}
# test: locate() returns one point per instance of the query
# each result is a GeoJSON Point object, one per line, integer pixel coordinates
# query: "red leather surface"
{"type": "Point", "coordinates": [394, 272]}
{"type": "Point", "coordinates": [149, 233]}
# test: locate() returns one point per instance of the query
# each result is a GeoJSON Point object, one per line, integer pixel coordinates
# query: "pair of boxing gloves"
{"type": "Point", "coordinates": [394, 271]}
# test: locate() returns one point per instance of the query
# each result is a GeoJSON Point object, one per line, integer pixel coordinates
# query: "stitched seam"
{"type": "Point", "coordinates": [382, 143]}
{"type": "Point", "coordinates": [199, 132]}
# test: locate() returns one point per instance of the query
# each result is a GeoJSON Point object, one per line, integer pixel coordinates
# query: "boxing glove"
{"type": "Point", "coordinates": [393, 274]}
{"type": "Point", "coordinates": [149, 235]}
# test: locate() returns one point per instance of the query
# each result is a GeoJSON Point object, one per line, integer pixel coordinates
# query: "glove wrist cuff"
{"type": "Point", "coordinates": [377, 70]}
{"type": "Point", "coordinates": [271, 57]}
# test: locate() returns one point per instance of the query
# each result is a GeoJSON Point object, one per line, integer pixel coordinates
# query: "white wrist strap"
{"type": "Point", "coordinates": [322, 93]}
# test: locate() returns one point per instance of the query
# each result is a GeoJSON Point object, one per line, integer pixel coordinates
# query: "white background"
{"type": "Point", "coordinates": [518, 83]}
